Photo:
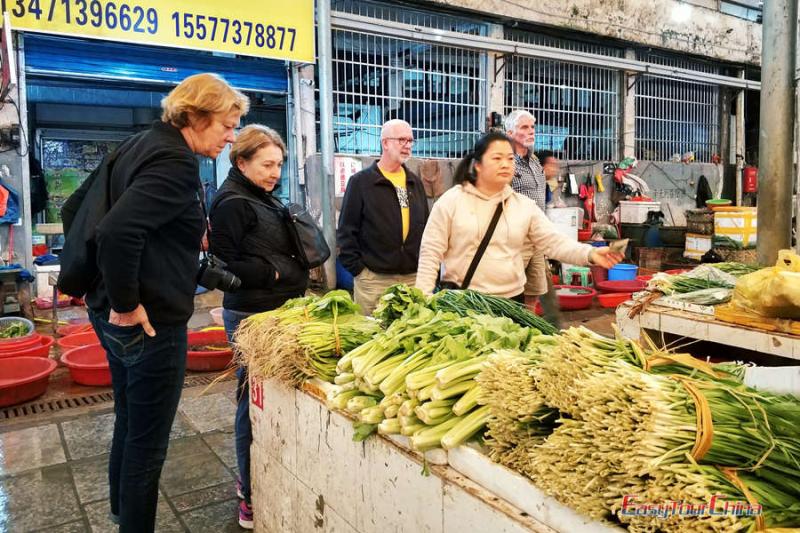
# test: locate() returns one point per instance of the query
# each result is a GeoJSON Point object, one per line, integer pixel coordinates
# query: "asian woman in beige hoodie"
{"type": "Point", "coordinates": [460, 218]}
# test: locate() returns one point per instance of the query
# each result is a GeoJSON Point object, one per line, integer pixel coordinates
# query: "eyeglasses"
{"type": "Point", "coordinates": [406, 141]}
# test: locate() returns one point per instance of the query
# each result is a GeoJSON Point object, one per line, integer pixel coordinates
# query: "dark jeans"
{"type": "Point", "coordinates": [147, 377]}
{"type": "Point", "coordinates": [243, 429]}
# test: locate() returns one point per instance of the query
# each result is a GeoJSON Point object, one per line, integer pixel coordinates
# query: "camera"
{"type": "Point", "coordinates": [212, 275]}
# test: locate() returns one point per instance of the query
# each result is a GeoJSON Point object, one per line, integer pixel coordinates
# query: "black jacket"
{"type": "Point", "coordinates": [149, 241]}
{"type": "Point", "coordinates": [249, 232]}
{"type": "Point", "coordinates": [370, 229]}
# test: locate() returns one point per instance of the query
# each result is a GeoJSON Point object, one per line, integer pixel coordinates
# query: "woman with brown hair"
{"type": "Point", "coordinates": [249, 232]}
{"type": "Point", "coordinates": [147, 249]}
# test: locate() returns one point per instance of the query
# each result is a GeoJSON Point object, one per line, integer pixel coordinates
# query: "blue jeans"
{"type": "Point", "coordinates": [242, 428]}
{"type": "Point", "coordinates": [147, 378]}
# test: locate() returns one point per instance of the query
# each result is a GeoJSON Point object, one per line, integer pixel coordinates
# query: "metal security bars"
{"type": "Point", "coordinates": [576, 106]}
{"type": "Point", "coordinates": [397, 12]}
{"type": "Point", "coordinates": [677, 119]}
{"type": "Point", "coordinates": [440, 90]}
{"type": "Point", "coordinates": [432, 69]}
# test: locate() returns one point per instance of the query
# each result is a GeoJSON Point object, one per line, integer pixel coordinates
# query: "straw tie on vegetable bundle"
{"type": "Point", "coordinates": [303, 338]}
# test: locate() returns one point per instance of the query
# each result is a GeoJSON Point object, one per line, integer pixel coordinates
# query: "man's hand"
{"type": "Point", "coordinates": [137, 316]}
{"type": "Point", "coordinates": [605, 258]}
{"type": "Point", "coordinates": [530, 303]}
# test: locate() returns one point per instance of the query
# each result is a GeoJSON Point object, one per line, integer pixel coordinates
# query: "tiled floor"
{"type": "Point", "coordinates": [53, 476]}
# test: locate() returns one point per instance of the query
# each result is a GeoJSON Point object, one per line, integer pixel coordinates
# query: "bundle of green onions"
{"type": "Point", "coordinates": [421, 373]}
{"type": "Point", "coordinates": [702, 277]}
{"type": "Point", "coordinates": [303, 338]}
{"type": "Point", "coordinates": [580, 353]}
{"type": "Point", "coordinates": [736, 269]}
{"type": "Point", "coordinates": [520, 421]}
{"type": "Point", "coordinates": [465, 302]}
{"type": "Point", "coordinates": [654, 420]}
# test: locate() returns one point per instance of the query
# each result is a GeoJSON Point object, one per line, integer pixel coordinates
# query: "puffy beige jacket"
{"type": "Point", "coordinates": [456, 225]}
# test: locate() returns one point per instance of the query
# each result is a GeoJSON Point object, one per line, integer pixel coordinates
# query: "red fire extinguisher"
{"type": "Point", "coordinates": [750, 179]}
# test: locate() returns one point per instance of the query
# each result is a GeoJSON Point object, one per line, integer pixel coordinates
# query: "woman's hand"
{"type": "Point", "coordinates": [137, 316]}
{"type": "Point", "coordinates": [605, 257]}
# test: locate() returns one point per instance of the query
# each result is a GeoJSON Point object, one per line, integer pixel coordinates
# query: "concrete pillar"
{"type": "Point", "coordinates": [325, 58]}
{"type": "Point", "coordinates": [726, 101]}
{"type": "Point", "coordinates": [627, 123]}
{"type": "Point", "coordinates": [776, 132]}
{"type": "Point", "coordinates": [496, 70]}
{"type": "Point", "coordinates": [739, 140]}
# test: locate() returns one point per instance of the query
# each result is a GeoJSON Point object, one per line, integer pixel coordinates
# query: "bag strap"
{"type": "Point", "coordinates": [473, 266]}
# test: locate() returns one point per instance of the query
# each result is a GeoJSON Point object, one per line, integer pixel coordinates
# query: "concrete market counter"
{"type": "Point", "coordinates": [308, 475]}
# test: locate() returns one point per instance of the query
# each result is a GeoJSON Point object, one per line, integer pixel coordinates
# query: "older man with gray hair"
{"type": "Point", "coordinates": [529, 179]}
{"type": "Point", "coordinates": [384, 212]}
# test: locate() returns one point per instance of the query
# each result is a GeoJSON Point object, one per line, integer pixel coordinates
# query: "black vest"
{"type": "Point", "coordinates": [269, 241]}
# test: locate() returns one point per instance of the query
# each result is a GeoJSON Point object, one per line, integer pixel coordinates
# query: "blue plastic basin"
{"type": "Point", "coordinates": [622, 272]}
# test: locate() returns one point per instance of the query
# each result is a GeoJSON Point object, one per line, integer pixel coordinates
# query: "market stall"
{"type": "Point", "coordinates": [488, 419]}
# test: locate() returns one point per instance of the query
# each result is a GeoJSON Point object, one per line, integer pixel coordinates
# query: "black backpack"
{"type": "Point", "coordinates": [81, 214]}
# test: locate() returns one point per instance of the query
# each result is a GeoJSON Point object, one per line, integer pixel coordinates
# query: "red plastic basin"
{"type": "Point", "coordinates": [76, 340]}
{"type": "Point", "coordinates": [20, 343]}
{"type": "Point", "coordinates": [627, 285]}
{"type": "Point", "coordinates": [23, 378]}
{"type": "Point", "coordinates": [208, 360]}
{"type": "Point", "coordinates": [40, 349]}
{"type": "Point", "coordinates": [70, 329]}
{"type": "Point", "coordinates": [88, 365]}
{"type": "Point", "coordinates": [574, 297]}
{"type": "Point", "coordinates": [613, 299]}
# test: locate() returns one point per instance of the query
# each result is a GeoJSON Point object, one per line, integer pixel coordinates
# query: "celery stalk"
{"type": "Point", "coordinates": [467, 402]}
{"type": "Point", "coordinates": [452, 390]}
{"type": "Point", "coordinates": [390, 426]}
{"type": "Point", "coordinates": [467, 426]}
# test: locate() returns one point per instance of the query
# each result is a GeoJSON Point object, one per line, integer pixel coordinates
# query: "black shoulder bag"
{"type": "Point", "coordinates": [473, 266]}
{"type": "Point", "coordinates": [308, 239]}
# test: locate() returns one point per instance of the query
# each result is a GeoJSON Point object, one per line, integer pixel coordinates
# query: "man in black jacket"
{"type": "Point", "coordinates": [384, 212]}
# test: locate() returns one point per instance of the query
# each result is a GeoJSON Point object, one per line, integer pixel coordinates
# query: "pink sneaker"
{"type": "Point", "coordinates": [245, 515]}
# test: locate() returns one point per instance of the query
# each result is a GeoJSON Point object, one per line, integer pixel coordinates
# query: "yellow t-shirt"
{"type": "Point", "coordinates": [398, 179]}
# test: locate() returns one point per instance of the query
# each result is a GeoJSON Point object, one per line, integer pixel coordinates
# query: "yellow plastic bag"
{"type": "Point", "coordinates": [774, 291]}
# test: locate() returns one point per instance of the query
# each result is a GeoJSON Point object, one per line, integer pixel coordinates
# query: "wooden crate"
{"type": "Point", "coordinates": [749, 257]}
{"type": "Point", "coordinates": [650, 258]}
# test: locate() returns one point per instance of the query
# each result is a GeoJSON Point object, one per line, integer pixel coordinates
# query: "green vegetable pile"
{"type": "Point", "coordinates": [304, 338]}
{"type": "Point", "coordinates": [17, 329]}
{"type": "Point", "coordinates": [418, 377]}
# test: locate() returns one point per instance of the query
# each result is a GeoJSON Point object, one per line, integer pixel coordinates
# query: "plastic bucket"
{"type": "Point", "coordinates": [622, 272]}
{"type": "Point", "coordinates": [20, 343]}
{"type": "Point", "coordinates": [76, 340]}
{"type": "Point", "coordinates": [88, 365]}
{"type": "Point", "coordinates": [205, 360]}
{"type": "Point", "coordinates": [40, 349]}
{"type": "Point", "coordinates": [599, 274]}
{"type": "Point", "coordinates": [23, 378]}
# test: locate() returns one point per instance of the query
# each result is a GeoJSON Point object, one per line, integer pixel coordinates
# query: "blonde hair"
{"type": "Point", "coordinates": [253, 138]}
{"type": "Point", "coordinates": [197, 98]}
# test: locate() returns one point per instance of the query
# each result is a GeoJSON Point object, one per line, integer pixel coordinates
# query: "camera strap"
{"type": "Point", "coordinates": [201, 196]}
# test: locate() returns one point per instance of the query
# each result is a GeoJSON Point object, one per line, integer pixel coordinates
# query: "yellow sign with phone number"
{"type": "Point", "coordinates": [261, 28]}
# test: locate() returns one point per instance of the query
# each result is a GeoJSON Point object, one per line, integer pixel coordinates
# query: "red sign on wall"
{"type": "Point", "coordinates": [257, 393]}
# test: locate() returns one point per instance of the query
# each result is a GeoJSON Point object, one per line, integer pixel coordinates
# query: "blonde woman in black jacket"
{"type": "Point", "coordinates": [147, 249]}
